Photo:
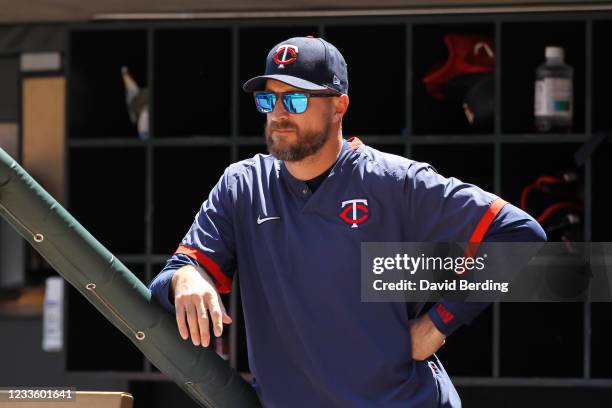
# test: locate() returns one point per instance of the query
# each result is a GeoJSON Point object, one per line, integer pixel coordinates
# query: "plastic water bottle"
{"type": "Point", "coordinates": [554, 100]}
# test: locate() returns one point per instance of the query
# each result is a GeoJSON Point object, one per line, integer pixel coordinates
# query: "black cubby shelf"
{"type": "Point", "coordinates": [552, 338]}
{"type": "Point", "coordinates": [377, 68]}
{"type": "Point", "coordinates": [192, 89]}
{"type": "Point", "coordinates": [198, 140]}
{"type": "Point", "coordinates": [107, 195]}
{"type": "Point", "coordinates": [430, 115]}
{"type": "Point", "coordinates": [523, 45]}
{"type": "Point", "coordinates": [140, 196]}
{"type": "Point", "coordinates": [602, 82]}
{"type": "Point", "coordinates": [96, 95]}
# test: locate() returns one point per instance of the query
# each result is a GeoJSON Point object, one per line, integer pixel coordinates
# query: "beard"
{"type": "Point", "coordinates": [307, 142]}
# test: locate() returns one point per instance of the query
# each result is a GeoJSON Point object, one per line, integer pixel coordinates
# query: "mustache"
{"type": "Point", "coordinates": [283, 124]}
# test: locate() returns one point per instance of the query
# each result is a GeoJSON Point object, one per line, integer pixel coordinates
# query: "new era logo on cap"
{"type": "Point", "coordinates": [307, 63]}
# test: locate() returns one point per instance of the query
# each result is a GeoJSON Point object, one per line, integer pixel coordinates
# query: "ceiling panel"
{"type": "Point", "coordinates": [82, 10]}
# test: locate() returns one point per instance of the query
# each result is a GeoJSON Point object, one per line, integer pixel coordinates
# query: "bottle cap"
{"type": "Point", "coordinates": [554, 52]}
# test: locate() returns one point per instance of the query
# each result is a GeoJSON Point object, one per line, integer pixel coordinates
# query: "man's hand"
{"type": "Point", "coordinates": [426, 338]}
{"type": "Point", "coordinates": [195, 297]}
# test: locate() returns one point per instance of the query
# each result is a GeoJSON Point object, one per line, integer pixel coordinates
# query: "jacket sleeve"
{"type": "Point", "coordinates": [209, 244]}
{"type": "Point", "coordinates": [447, 210]}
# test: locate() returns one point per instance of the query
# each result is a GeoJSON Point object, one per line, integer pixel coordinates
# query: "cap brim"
{"type": "Point", "coordinates": [259, 83]}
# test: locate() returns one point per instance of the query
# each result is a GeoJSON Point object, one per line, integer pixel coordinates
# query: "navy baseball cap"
{"type": "Point", "coordinates": [307, 63]}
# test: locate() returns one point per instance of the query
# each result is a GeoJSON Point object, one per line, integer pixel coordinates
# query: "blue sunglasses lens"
{"type": "Point", "coordinates": [295, 102]}
{"type": "Point", "coordinates": [265, 101]}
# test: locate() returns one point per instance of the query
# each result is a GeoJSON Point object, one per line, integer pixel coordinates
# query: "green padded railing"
{"type": "Point", "coordinates": [123, 299]}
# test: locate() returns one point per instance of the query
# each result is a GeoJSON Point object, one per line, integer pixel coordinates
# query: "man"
{"type": "Point", "coordinates": [292, 223]}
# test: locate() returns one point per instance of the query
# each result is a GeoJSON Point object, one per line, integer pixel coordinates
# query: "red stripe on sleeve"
{"type": "Point", "coordinates": [487, 219]}
{"type": "Point", "coordinates": [472, 247]}
{"type": "Point", "coordinates": [224, 284]}
{"type": "Point", "coordinates": [483, 226]}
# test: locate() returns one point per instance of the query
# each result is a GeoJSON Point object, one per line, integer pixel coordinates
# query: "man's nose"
{"type": "Point", "coordinates": [279, 110]}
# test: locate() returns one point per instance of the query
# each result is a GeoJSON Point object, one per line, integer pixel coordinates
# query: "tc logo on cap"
{"type": "Point", "coordinates": [281, 55]}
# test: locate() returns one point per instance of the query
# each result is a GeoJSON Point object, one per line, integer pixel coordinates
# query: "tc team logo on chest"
{"type": "Point", "coordinates": [352, 210]}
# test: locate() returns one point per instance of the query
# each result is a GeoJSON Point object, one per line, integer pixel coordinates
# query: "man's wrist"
{"type": "Point", "coordinates": [442, 324]}
{"type": "Point", "coordinates": [175, 278]}
{"type": "Point", "coordinates": [432, 329]}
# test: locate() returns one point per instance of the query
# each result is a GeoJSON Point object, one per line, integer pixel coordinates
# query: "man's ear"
{"type": "Point", "coordinates": [342, 105]}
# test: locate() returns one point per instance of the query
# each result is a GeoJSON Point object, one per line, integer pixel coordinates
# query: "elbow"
{"type": "Point", "coordinates": [537, 232]}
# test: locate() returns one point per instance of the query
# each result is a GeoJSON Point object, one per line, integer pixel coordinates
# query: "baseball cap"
{"type": "Point", "coordinates": [307, 63]}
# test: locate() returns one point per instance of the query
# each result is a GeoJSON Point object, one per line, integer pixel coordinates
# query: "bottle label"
{"type": "Point", "coordinates": [553, 97]}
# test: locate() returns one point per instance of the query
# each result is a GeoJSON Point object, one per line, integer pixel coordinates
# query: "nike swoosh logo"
{"type": "Point", "coordinates": [262, 220]}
